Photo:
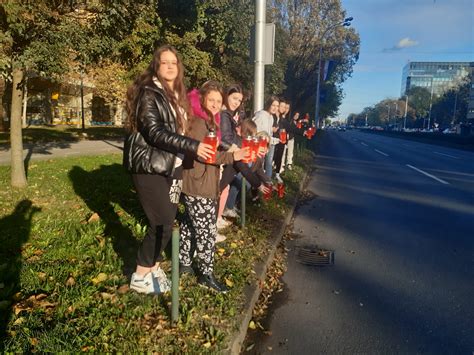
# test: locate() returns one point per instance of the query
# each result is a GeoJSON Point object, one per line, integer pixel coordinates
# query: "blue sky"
{"type": "Point", "coordinates": [394, 32]}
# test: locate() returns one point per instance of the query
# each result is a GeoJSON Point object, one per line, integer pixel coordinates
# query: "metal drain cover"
{"type": "Point", "coordinates": [312, 255]}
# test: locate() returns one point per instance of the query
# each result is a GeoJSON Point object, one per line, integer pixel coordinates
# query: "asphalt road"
{"type": "Point", "coordinates": [399, 216]}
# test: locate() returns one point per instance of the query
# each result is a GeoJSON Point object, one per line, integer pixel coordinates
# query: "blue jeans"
{"type": "Point", "coordinates": [269, 160]}
{"type": "Point", "coordinates": [235, 187]}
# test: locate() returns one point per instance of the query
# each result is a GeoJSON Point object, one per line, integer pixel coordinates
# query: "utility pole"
{"type": "Point", "coordinates": [259, 68]}
{"type": "Point", "coordinates": [396, 114]}
{"type": "Point", "coordinates": [406, 109]}
{"type": "Point", "coordinates": [82, 102]}
{"type": "Point", "coordinates": [366, 119]}
{"type": "Point", "coordinates": [455, 107]}
{"type": "Point", "coordinates": [431, 104]}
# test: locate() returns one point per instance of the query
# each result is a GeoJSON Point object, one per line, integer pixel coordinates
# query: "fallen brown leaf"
{"type": "Point", "coordinates": [70, 281]}
{"type": "Point", "coordinates": [94, 218]}
{"type": "Point", "coordinates": [123, 289]}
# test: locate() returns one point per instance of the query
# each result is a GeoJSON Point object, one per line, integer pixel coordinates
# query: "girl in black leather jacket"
{"type": "Point", "coordinates": [155, 145]}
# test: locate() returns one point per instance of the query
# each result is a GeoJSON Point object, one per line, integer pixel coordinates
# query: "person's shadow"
{"type": "Point", "coordinates": [103, 189]}
{"type": "Point", "coordinates": [14, 233]}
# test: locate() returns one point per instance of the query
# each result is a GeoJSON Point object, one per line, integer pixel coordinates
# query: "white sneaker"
{"type": "Point", "coordinates": [222, 223]}
{"type": "Point", "coordinates": [220, 238]}
{"type": "Point", "coordinates": [144, 284]}
{"type": "Point", "coordinates": [230, 213]}
{"type": "Point", "coordinates": [163, 281]}
{"type": "Point", "coordinates": [278, 178]}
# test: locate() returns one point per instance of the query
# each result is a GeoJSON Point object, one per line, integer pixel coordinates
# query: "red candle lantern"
{"type": "Point", "coordinates": [211, 139]}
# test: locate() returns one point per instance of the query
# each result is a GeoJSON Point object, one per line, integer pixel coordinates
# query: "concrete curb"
{"type": "Point", "coordinates": [252, 291]}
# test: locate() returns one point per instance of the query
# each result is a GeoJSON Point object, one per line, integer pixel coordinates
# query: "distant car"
{"type": "Point", "coordinates": [449, 131]}
{"type": "Point", "coordinates": [341, 129]}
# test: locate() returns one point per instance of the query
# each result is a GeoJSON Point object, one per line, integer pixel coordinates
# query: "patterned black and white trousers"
{"type": "Point", "coordinates": [198, 232]}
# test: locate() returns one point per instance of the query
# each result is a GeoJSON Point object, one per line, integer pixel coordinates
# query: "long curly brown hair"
{"type": "Point", "coordinates": [176, 97]}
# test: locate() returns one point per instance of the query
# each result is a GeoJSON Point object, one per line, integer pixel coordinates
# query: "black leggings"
{"type": "Point", "coordinates": [277, 158]}
{"type": "Point", "coordinates": [153, 193]}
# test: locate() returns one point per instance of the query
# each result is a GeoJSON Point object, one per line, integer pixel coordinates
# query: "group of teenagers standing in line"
{"type": "Point", "coordinates": [169, 161]}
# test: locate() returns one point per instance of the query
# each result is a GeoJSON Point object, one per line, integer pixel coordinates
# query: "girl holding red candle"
{"type": "Point", "coordinates": [201, 188]}
{"type": "Point", "coordinates": [153, 151]}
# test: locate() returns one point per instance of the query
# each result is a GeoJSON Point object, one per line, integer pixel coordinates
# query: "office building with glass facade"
{"type": "Point", "coordinates": [434, 76]}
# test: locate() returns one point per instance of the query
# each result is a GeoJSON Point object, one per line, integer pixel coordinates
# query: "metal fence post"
{"type": "Point", "coordinates": [242, 206]}
{"type": "Point", "coordinates": [175, 276]}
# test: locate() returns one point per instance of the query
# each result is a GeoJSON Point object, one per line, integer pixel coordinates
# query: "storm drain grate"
{"type": "Point", "coordinates": [314, 256]}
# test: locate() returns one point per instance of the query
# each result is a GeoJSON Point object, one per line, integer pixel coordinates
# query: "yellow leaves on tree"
{"type": "Point", "coordinates": [110, 81]}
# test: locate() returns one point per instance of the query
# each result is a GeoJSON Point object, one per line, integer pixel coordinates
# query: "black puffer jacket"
{"type": "Point", "coordinates": [156, 144]}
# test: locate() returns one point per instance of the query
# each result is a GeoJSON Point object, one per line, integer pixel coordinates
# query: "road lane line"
{"type": "Point", "coordinates": [364, 144]}
{"type": "Point", "coordinates": [447, 155]}
{"type": "Point", "coordinates": [378, 151]}
{"type": "Point", "coordinates": [429, 175]}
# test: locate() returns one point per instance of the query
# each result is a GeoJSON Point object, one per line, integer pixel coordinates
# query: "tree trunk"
{"type": "Point", "coordinates": [118, 114]}
{"type": "Point", "coordinates": [3, 125]}
{"type": "Point", "coordinates": [18, 177]}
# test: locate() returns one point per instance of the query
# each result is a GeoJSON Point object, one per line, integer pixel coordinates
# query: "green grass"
{"type": "Point", "coordinates": [63, 275]}
{"type": "Point", "coordinates": [64, 133]}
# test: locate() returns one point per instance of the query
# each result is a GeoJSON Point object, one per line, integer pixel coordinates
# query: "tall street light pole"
{"type": "Point", "coordinates": [405, 115]}
{"type": "Point", "coordinates": [345, 23]}
{"type": "Point", "coordinates": [431, 103]}
{"type": "Point", "coordinates": [388, 114]}
{"type": "Point", "coordinates": [454, 110]}
{"type": "Point", "coordinates": [259, 68]}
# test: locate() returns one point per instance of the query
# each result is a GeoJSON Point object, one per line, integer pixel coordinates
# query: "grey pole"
{"type": "Point", "coordinates": [455, 106]}
{"type": "Point", "coordinates": [431, 104]}
{"type": "Point", "coordinates": [406, 109]}
{"type": "Point", "coordinates": [175, 276]}
{"type": "Point", "coordinates": [318, 80]}
{"type": "Point", "coordinates": [259, 70]}
{"type": "Point", "coordinates": [82, 102]}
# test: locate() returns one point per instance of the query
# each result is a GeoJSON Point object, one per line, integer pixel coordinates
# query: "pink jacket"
{"type": "Point", "coordinates": [198, 111]}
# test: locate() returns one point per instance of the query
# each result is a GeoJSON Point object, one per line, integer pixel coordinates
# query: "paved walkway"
{"type": "Point", "coordinates": [51, 150]}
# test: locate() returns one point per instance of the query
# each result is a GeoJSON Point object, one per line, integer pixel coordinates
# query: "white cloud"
{"type": "Point", "coordinates": [406, 42]}
{"type": "Point", "coordinates": [403, 43]}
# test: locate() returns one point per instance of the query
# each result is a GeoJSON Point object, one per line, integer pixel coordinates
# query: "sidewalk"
{"type": "Point", "coordinates": [50, 150]}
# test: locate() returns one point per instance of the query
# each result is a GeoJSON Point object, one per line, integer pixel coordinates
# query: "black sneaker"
{"type": "Point", "coordinates": [185, 269]}
{"type": "Point", "coordinates": [209, 281]}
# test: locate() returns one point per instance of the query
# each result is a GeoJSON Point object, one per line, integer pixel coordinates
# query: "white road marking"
{"type": "Point", "coordinates": [447, 155]}
{"type": "Point", "coordinates": [378, 151]}
{"type": "Point", "coordinates": [364, 144]}
{"type": "Point", "coordinates": [429, 175]}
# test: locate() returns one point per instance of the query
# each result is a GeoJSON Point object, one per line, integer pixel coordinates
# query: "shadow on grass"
{"type": "Point", "coordinates": [15, 232]}
{"type": "Point", "coordinates": [102, 189]}
{"type": "Point", "coordinates": [43, 149]}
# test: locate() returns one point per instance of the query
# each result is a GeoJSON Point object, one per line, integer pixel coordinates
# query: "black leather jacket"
{"type": "Point", "coordinates": [156, 144]}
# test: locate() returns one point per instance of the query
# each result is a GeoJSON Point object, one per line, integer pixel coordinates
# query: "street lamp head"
{"type": "Point", "coordinates": [346, 24]}
{"type": "Point", "coordinates": [348, 19]}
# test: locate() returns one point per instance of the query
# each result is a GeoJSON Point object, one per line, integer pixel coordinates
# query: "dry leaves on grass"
{"type": "Point", "coordinates": [34, 302]}
{"type": "Point", "coordinates": [272, 283]}
{"type": "Point", "coordinates": [94, 218]}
